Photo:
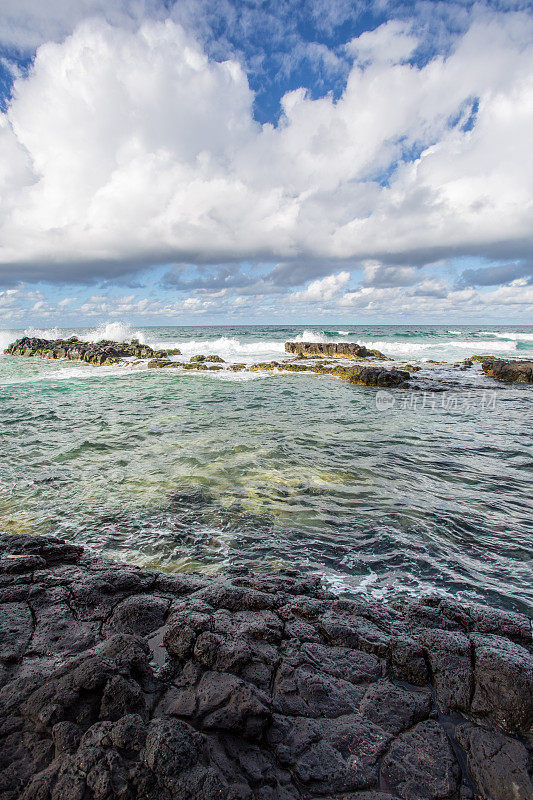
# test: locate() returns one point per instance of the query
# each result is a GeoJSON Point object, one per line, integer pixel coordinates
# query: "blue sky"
{"type": "Point", "coordinates": [210, 162]}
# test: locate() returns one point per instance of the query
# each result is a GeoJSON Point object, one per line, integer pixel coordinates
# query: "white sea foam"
{"type": "Point", "coordinates": [421, 350]}
{"type": "Point", "coordinates": [115, 331]}
{"type": "Point", "coordinates": [6, 338]}
{"type": "Point", "coordinates": [513, 337]}
{"type": "Point", "coordinates": [343, 333]}
{"type": "Point", "coordinates": [229, 348]}
{"type": "Point", "coordinates": [309, 336]}
{"type": "Point", "coordinates": [44, 333]}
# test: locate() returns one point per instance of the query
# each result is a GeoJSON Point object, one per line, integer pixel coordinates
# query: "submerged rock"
{"type": "Point", "coordinates": [117, 682]}
{"type": "Point", "coordinates": [336, 349]}
{"type": "Point", "coordinates": [508, 371]}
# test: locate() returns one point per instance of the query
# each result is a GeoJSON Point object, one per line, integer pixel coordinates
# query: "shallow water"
{"type": "Point", "coordinates": [195, 471]}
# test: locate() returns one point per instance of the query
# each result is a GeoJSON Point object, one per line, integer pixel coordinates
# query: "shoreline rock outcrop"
{"type": "Point", "coordinates": [508, 371]}
{"type": "Point", "coordinates": [100, 353]}
{"type": "Point", "coordinates": [118, 683]}
{"type": "Point", "coordinates": [333, 350]}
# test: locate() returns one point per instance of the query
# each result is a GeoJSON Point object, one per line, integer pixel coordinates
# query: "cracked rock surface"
{"type": "Point", "coordinates": [117, 683]}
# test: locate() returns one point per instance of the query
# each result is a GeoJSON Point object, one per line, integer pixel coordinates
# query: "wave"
{"type": "Point", "coordinates": [225, 346]}
{"type": "Point", "coordinates": [6, 338]}
{"type": "Point", "coordinates": [115, 331]}
{"type": "Point", "coordinates": [309, 336]}
{"type": "Point", "coordinates": [426, 349]}
{"type": "Point", "coordinates": [513, 337]}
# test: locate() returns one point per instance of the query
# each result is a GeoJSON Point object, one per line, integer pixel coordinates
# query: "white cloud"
{"type": "Point", "coordinates": [125, 147]}
{"type": "Point", "coordinates": [517, 293]}
{"type": "Point", "coordinates": [27, 23]}
{"type": "Point", "coordinates": [392, 43]}
{"type": "Point", "coordinates": [323, 290]}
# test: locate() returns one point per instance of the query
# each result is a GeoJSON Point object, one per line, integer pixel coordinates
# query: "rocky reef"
{"type": "Point", "coordinates": [119, 683]}
{"type": "Point", "coordinates": [333, 350]}
{"type": "Point", "coordinates": [98, 353]}
{"type": "Point", "coordinates": [508, 371]}
{"type": "Point", "coordinates": [102, 353]}
{"type": "Point", "coordinates": [359, 374]}
{"type": "Point", "coordinates": [376, 376]}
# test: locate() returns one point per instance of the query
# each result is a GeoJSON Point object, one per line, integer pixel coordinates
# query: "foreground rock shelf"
{"type": "Point", "coordinates": [119, 683]}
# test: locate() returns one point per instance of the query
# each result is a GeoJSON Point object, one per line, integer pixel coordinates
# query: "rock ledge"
{"type": "Point", "coordinates": [118, 683]}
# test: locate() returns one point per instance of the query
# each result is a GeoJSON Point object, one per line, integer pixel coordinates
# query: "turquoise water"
{"type": "Point", "coordinates": [384, 494]}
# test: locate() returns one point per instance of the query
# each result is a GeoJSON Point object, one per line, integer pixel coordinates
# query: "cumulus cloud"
{"type": "Point", "coordinates": [128, 147]}
{"type": "Point", "coordinates": [391, 43]}
{"type": "Point", "coordinates": [321, 291]}
{"type": "Point", "coordinates": [27, 23]}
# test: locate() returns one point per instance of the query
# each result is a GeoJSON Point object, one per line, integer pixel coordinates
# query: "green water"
{"type": "Point", "coordinates": [193, 471]}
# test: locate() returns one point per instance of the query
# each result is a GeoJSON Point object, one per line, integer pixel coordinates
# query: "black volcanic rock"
{"type": "Point", "coordinates": [117, 683]}
{"type": "Point", "coordinates": [333, 349]}
{"type": "Point", "coordinates": [97, 353]}
{"type": "Point", "coordinates": [508, 371]}
{"type": "Point", "coordinates": [376, 376]}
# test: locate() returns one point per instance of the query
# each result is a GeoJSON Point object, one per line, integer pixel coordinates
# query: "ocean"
{"type": "Point", "coordinates": [386, 494]}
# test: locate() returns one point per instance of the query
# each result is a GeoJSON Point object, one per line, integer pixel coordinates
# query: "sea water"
{"type": "Point", "coordinates": [389, 494]}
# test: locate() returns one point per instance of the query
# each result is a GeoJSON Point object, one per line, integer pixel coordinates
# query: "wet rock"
{"type": "Point", "coordinates": [140, 614]}
{"type": "Point", "coordinates": [408, 661]}
{"type": "Point", "coordinates": [509, 371]}
{"type": "Point", "coordinates": [450, 657]}
{"type": "Point", "coordinates": [16, 628]}
{"type": "Point", "coordinates": [393, 708]}
{"type": "Point", "coordinates": [503, 683]}
{"type": "Point", "coordinates": [268, 688]}
{"type": "Point", "coordinates": [329, 349]}
{"type": "Point", "coordinates": [57, 631]}
{"type": "Point", "coordinates": [421, 765]}
{"type": "Point", "coordinates": [375, 376]}
{"type": "Point", "coordinates": [100, 353]}
{"type": "Point", "coordinates": [329, 755]}
{"type": "Point", "coordinates": [499, 765]}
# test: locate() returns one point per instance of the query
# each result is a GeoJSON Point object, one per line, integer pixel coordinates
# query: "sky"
{"type": "Point", "coordinates": [285, 161]}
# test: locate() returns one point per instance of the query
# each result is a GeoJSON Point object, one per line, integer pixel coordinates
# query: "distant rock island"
{"type": "Point", "coordinates": [97, 353]}
{"type": "Point", "coordinates": [118, 683]}
{"type": "Point", "coordinates": [333, 350]}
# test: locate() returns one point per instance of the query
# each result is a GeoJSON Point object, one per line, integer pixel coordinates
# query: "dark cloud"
{"type": "Point", "coordinates": [494, 275]}
{"type": "Point", "coordinates": [381, 275]}
{"type": "Point", "coordinates": [226, 277]}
